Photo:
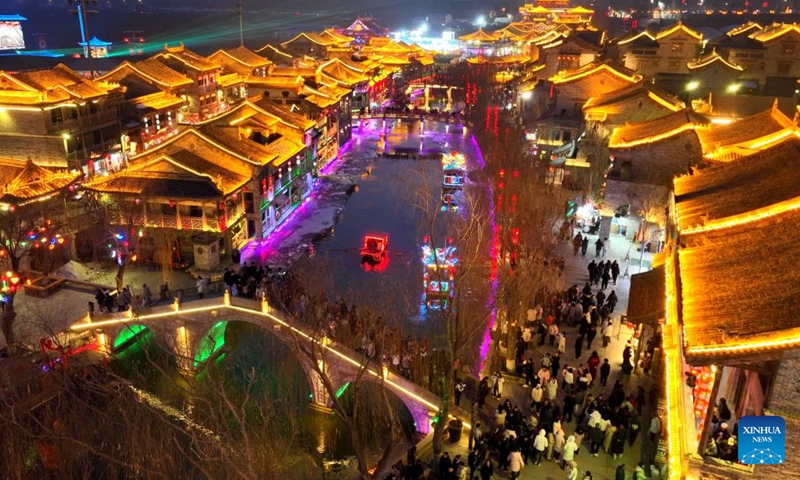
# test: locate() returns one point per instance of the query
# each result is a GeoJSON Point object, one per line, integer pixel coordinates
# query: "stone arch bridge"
{"type": "Point", "coordinates": [195, 331]}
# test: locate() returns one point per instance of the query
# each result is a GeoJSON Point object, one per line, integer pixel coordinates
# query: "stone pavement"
{"type": "Point", "coordinates": [602, 466]}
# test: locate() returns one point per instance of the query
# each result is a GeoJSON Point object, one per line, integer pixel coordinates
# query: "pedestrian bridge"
{"type": "Point", "coordinates": [195, 331]}
{"type": "Point", "coordinates": [450, 119]}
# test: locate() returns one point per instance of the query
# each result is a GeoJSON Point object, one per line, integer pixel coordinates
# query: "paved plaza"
{"type": "Point", "coordinates": [603, 466]}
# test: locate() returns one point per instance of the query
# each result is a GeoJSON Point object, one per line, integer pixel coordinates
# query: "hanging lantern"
{"type": "Point", "coordinates": [137, 201]}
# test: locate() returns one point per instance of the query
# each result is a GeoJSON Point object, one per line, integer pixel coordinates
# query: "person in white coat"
{"type": "Point", "coordinates": [536, 397]}
{"type": "Point", "coordinates": [552, 389]}
{"type": "Point", "coordinates": [515, 463]}
{"type": "Point", "coordinates": [572, 471]}
{"type": "Point", "coordinates": [539, 446]}
{"type": "Point", "coordinates": [558, 447]}
{"type": "Point", "coordinates": [568, 452]}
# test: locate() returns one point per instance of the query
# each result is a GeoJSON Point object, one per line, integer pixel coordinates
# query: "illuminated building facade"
{"type": "Point", "coordinates": [727, 318]}
{"type": "Point", "coordinates": [61, 119]}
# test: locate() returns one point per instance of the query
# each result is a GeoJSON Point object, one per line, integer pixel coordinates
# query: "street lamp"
{"type": "Point", "coordinates": [733, 88]}
{"type": "Point", "coordinates": [691, 86]}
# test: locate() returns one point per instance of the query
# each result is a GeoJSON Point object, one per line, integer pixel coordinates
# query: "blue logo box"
{"type": "Point", "coordinates": [762, 440]}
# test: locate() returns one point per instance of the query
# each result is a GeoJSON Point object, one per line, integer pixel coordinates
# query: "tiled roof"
{"type": "Point", "coordinates": [774, 31]}
{"type": "Point", "coordinates": [239, 60]}
{"type": "Point", "coordinates": [230, 80]}
{"type": "Point", "coordinates": [150, 70]}
{"type": "Point", "coordinates": [650, 91]}
{"type": "Point", "coordinates": [479, 35]}
{"type": "Point", "coordinates": [275, 55]}
{"type": "Point", "coordinates": [647, 298]}
{"type": "Point", "coordinates": [288, 117]}
{"type": "Point", "coordinates": [182, 58]}
{"type": "Point", "coordinates": [311, 37]}
{"type": "Point", "coordinates": [762, 179]}
{"type": "Point", "coordinates": [740, 288]}
{"type": "Point", "coordinates": [49, 86]}
{"type": "Point", "coordinates": [711, 59]}
{"type": "Point", "coordinates": [231, 138]}
{"type": "Point", "coordinates": [190, 165]}
{"type": "Point", "coordinates": [744, 130]}
{"type": "Point", "coordinates": [289, 83]}
{"type": "Point", "coordinates": [26, 181]}
{"type": "Point", "coordinates": [282, 71]}
{"type": "Point", "coordinates": [739, 106]}
{"type": "Point", "coordinates": [595, 68]}
{"type": "Point", "coordinates": [336, 36]}
{"type": "Point", "coordinates": [638, 39]}
{"type": "Point", "coordinates": [635, 134]}
{"type": "Point", "coordinates": [157, 101]}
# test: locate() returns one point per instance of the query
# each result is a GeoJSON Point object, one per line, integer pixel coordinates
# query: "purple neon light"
{"type": "Point", "coordinates": [486, 342]}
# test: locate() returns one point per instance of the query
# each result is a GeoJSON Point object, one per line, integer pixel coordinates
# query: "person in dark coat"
{"type": "Point", "coordinates": [578, 346]}
{"type": "Point", "coordinates": [611, 301]}
{"type": "Point", "coordinates": [605, 371]}
{"type": "Point", "coordinates": [595, 439]}
{"type": "Point", "coordinates": [600, 298]}
{"type": "Point", "coordinates": [605, 278]}
{"type": "Point", "coordinates": [584, 246]}
{"type": "Point", "coordinates": [592, 271]}
{"type": "Point", "coordinates": [598, 246]}
{"type": "Point", "coordinates": [614, 271]}
{"type": "Point", "coordinates": [634, 427]}
{"type": "Point", "coordinates": [618, 441]}
{"type": "Point", "coordinates": [487, 470]}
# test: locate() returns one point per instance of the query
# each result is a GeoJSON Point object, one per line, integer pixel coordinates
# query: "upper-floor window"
{"type": "Point", "coordinates": [788, 48]}
{"type": "Point", "coordinates": [676, 46]}
{"type": "Point", "coordinates": [783, 69]}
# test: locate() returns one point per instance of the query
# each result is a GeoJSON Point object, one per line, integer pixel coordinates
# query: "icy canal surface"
{"type": "Point", "coordinates": [393, 197]}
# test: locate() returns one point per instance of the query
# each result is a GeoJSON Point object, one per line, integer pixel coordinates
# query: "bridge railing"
{"type": "Point", "coordinates": [270, 317]}
{"type": "Point", "coordinates": [422, 116]}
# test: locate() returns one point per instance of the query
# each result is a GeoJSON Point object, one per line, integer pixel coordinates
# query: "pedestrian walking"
{"type": "Point", "coordinates": [577, 242]}
{"type": "Point", "coordinates": [591, 333]}
{"type": "Point", "coordinates": [605, 371]}
{"type": "Point", "coordinates": [618, 439]}
{"type": "Point", "coordinates": [539, 446]}
{"type": "Point", "coordinates": [578, 347]}
{"type": "Point", "coordinates": [595, 438]}
{"type": "Point", "coordinates": [459, 390]}
{"type": "Point", "coordinates": [202, 286]}
{"type": "Point", "coordinates": [655, 429]}
{"type": "Point", "coordinates": [598, 247]}
{"type": "Point", "coordinates": [605, 278]}
{"type": "Point", "coordinates": [572, 471]}
{"type": "Point", "coordinates": [487, 470]}
{"type": "Point", "coordinates": [515, 463]}
{"type": "Point", "coordinates": [584, 246]}
{"type": "Point", "coordinates": [607, 330]}
{"type": "Point", "coordinates": [147, 295]}
{"type": "Point", "coordinates": [611, 301]}
{"type": "Point", "coordinates": [569, 450]}
{"type": "Point", "coordinates": [614, 271]}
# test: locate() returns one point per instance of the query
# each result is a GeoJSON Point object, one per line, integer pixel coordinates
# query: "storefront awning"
{"type": "Point", "coordinates": [647, 300]}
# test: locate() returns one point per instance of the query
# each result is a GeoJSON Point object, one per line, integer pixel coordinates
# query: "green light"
{"type": "Point", "coordinates": [127, 334]}
{"type": "Point", "coordinates": [342, 389]}
{"type": "Point", "coordinates": [212, 342]}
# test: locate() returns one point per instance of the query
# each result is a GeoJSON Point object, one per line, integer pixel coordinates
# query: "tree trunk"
{"type": "Point", "coordinates": [7, 318]}
{"type": "Point", "coordinates": [120, 277]}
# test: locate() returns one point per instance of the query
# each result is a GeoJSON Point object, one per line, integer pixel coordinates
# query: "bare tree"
{"type": "Point", "coordinates": [23, 231]}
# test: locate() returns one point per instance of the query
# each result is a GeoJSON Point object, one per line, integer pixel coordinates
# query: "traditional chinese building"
{"type": "Point", "coordinates": [730, 220]}
{"type": "Point", "coordinates": [712, 73]}
{"type": "Point", "coordinates": [205, 96]}
{"type": "Point", "coordinates": [155, 101]}
{"type": "Point", "coordinates": [573, 88]}
{"type": "Point", "coordinates": [362, 30]}
{"type": "Point", "coordinates": [725, 143]}
{"type": "Point", "coordinates": [633, 104]}
{"type": "Point", "coordinates": [250, 68]}
{"type": "Point", "coordinates": [309, 44]}
{"type": "Point", "coordinates": [59, 118]}
{"type": "Point", "coordinates": [656, 150]}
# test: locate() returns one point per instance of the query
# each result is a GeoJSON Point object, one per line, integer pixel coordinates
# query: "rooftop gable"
{"type": "Point", "coordinates": [594, 69]}
{"type": "Point", "coordinates": [180, 55]}
{"type": "Point", "coordinates": [150, 70]}
{"type": "Point", "coordinates": [657, 130]}
{"type": "Point", "coordinates": [748, 131]}
{"type": "Point", "coordinates": [715, 197]}
{"type": "Point", "coordinates": [712, 59]}
{"type": "Point", "coordinates": [678, 28]}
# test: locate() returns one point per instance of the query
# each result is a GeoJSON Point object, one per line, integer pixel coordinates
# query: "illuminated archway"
{"type": "Point", "coordinates": [129, 335]}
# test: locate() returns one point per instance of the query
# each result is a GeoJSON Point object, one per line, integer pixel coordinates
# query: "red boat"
{"type": "Point", "coordinates": [374, 249]}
